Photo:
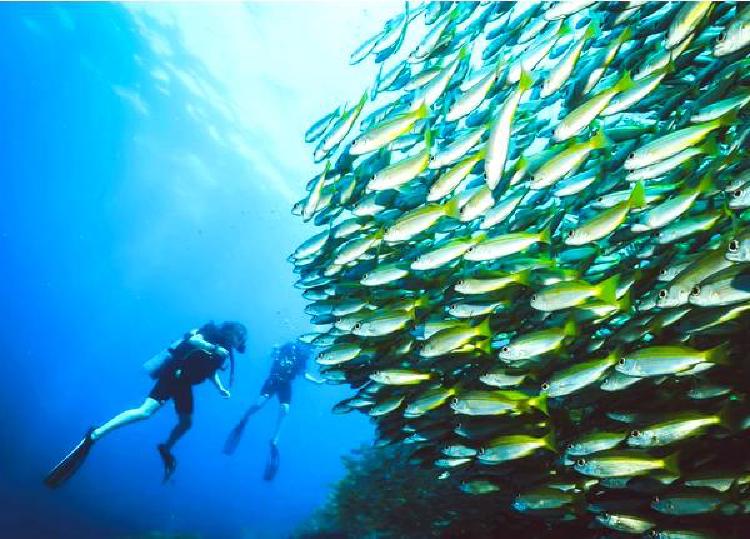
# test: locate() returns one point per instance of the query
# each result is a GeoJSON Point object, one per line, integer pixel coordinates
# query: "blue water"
{"type": "Point", "coordinates": [150, 155]}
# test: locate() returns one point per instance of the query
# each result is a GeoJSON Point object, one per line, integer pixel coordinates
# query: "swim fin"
{"type": "Point", "coordinates": [170, 463]}
{"type": "Point", "coordinates": [233, 440]}
{"type": "Point", "coordinates": [272, 466]}
{"type": "Point", "coordinates": [68, 466]}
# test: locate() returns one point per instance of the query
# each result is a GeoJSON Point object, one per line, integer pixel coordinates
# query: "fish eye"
{"type": "Point", "coordinates": [696, 290]}
{"type": "Point", "coordinates": [656, 499]}
{"type": "Point", "coordinates": [734, 245]}
{"type": "Point", "coordinates": [357, 325]}
{"type": "Point", "coordinates": [722, 36]}
{"type": "Point", "coordinates": [571, 446]}
{"type": "Point", "coordinates": [600, 199]}
{"type": "Point", "coordinates": [460, 282]}
{"type": "Point", "coordinates": [533, 298]}
{"type": "Point", "coordinates": [570, 233]}
{"type": "Point", "coordinates": [632, 155]}
{"type": "Point", "coordinates": [545, 386]}
{"type": "Point", "coordinates": [605, 515]}
{"type": "Point", "coordinates": [663, 293]}
{"type": "Point", "coordinates": [737, 193]}
{"type": "Point", "coordinates": [470, 249]}
{"type": "Point", "coordinates": [505, 349]}
{"type": "Point", "coordinates": [580, 462]}
{"type": "Point", "coordinates": [621, 362]}
{"type": "Point", "coordinates": [635, 433]}
{"type": "Point", "coordinates": [453, 307]}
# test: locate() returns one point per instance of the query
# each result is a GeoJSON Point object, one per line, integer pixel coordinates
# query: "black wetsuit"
{"type": "Point", "coordinates": [289, 362]}
{"type": "Point", "coordinates": [188, 366]}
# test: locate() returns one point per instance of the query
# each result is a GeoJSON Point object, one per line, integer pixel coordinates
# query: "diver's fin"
{"type": "Point", "coordinates": [170, 463]}
{"type": "Point", "coordinates": [233, 440]}
{"type": "Point", "coordinates": [272, 466]}
{"type": "Point", "coordinates": [70, 464]}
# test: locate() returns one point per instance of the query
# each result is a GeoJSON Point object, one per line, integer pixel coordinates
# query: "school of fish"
{"type": "Point", "coordinates": [533, 263]}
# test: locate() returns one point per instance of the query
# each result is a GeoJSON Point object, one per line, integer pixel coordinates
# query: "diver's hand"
{"type": "Point", "coordinates": [311, 378]}
{"type": "Point", "coordinates": [220, 352]}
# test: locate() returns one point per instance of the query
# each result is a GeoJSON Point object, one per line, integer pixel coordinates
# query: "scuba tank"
{"type": "Point", "coordinates": [157, 364]}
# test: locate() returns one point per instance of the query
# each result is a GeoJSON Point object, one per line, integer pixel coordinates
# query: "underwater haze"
{"type": "Point", "coordinates": [150, 156]}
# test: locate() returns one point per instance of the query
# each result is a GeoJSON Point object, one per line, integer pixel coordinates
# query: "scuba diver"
{"type": "Point", "coordinates": [196, 357]}
{"type": "Point", "coordinates": [289, 361]}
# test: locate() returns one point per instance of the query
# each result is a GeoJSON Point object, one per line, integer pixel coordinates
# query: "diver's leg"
{"type": "Point", "coordinates": [144, 411]}
{"type": "Point", "coordinates": [283, 412]}
{"type": "Point", "coordinates": [233, 440]}
{"type": "Point", "coordinates": [284, 393]}
{"type": "Point", "coordinates": [183, 404]}
{"type": "Point", "coordinates": [260, 403]}
{"type": "Point", "coordinates": [184, 422]}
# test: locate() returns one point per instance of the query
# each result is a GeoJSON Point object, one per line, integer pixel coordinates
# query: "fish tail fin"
{"type": "Point", "coordinates": [710, 147]}
{"type": "Point", "coordinates": [726, 212]}
{"type": "Point", "coordinates": [421, 111]}
{"type": "Point", "coordinates": [362, 100]}
{"type": "Point", "coordinates": [727, 119]}
{"type": "Point", "coordinates": [545, 236]}
{"type": "Point", "coordinates": [462, 53]}
{"type": "Point", "coordinates": [485, 346]}
{"type": "Point", "coordinates": [599, 140]}
{"type": "Point", "coordinates": [625, 83]}
{"type": "Point", "coordinates": [625, 302]}
{"type": "Point", "coordinates": [522, 163]}
{"type": "Point", "coordinates": [718, 355]}
{"type": "Point", "coordinates": [550, 442]}
{"type": "Point", "coordinates": [522, 277]}
{"type": "Point", "coordinates": [637, 196]}
{"type": "Point", "coordinates": [564, 29]}
{"type": "Point", "coordinates": [540, 403]}
{"type": "Point", "coordinates": [726, 418]}
{"type": "Point", "coordinates": [570, 329]}
{"type": "Point", "coordinates": [592, 30]}
{"type": "Point", "coordinates": [525, 81]}
{"type": "Point", "coordinates": [608, 289]}
{"type": "Point", "coordinates": [706, 183]}
{"type": "Point", "coordinates": [614, 356]}
{"type": "Point", "coordinates": [452, 209]}
{"type": "Point", "coordinates": [484, 328]}
{"type": "Point", "coordinates": [672, 463]}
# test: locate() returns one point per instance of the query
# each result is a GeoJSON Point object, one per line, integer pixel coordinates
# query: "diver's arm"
{"type": "Point", "coordinates": [198, 341]}
{"type": "Point", "coordinates": [222, 390]}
